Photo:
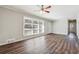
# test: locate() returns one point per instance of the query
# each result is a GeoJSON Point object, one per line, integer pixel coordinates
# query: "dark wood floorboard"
{"type": "Point", "coordinates": [49, 44]}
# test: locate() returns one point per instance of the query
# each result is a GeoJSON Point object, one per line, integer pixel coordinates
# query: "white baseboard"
{"type": "Point", "coordinates": [9, 41]}
{"type": "Point", "coordinates": [60, 33]}
{"type": "Point", "coordinates": [12, 40]}
{"type": "Point", "coordinates": [63, 34]}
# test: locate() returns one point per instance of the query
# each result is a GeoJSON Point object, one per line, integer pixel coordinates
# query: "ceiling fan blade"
{"type": "Point", "coordinates": [48, 7]}
{"type": "Point", "coordinates": [46, 11]}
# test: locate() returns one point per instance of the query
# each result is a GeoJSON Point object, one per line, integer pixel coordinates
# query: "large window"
{"type": "Point", "coordinates": [32, 26]}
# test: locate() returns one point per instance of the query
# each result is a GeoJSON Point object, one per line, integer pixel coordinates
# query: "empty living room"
{"type": "Point", "coordinates": [39, 29]}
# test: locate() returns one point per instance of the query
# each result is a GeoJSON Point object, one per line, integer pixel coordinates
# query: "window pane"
{"type": "Point", "coordinates": [35, 31]}
{"type": "Point", "coordinates": [40, 23]}
{"type": "Point", "coordinates": [28, 26]}
{"type": "Point", "coordinates": [28, 32]}
{"type": "Point", "coordinates": [35, 26]}
{"type": "Point", "coordinates": [28, 21]}
{"type": "Point", "coordinates": [35, 22]}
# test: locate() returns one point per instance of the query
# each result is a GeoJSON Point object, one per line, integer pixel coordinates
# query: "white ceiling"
{"type": "Point", "coordinates": [56, 12]}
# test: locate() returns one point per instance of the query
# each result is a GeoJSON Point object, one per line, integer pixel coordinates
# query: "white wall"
{"type": "Point", "coordinates": [78, 27]}
{"type": "Point", "coordinates": [11, 26]}
{"type": "Point", "coordinates": [60, 26]}
{"type": "Point", "coordinates": [48, 26]}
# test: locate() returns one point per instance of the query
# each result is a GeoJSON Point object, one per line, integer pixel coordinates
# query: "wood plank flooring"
{"type": "Point", "coordinates": [49, 44]}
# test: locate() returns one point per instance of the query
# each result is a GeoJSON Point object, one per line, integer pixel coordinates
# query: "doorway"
{"type": "Point", "coordinates": [72, 26]}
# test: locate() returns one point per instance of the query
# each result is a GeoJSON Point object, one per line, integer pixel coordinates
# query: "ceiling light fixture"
{"type": "Point", "coordinates": [45, 8]}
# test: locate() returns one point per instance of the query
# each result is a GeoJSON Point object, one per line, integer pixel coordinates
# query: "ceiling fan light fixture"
{"type": "Point", "coordinates": [45, 9]}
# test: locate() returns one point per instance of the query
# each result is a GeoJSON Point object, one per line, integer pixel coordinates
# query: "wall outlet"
{"type": "Point", "coordinates": [11, 40]}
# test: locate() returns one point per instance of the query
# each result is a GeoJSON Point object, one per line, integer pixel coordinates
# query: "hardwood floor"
{"type": "Point", "coordinates": [49, 44]}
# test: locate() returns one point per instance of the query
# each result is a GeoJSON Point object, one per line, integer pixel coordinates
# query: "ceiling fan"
{"type": "Point", "coordinates": [45, 9]}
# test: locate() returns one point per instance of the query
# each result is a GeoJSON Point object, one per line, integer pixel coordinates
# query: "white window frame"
{"type": "Point", "coordinates": [31, 31]}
